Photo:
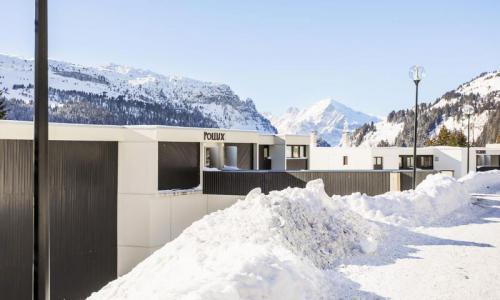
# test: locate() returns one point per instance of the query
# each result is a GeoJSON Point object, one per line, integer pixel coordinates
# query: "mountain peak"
{"type": "Point", "coordinates": [326, 116]}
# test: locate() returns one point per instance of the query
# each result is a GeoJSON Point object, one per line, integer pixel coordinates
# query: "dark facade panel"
{"type": "Point", "coordinates": [336, 182]}
{"type": "Point", "coordinates": [83, 195]}
{"type": "Point", "coordinates": [245, 155]}
{"type": "Point", "coordinates": [296, 164]}
{"type": "Point", "coordinates": [178, 165]}
{"type": "Point", "coordinates": [406, 179]}
{"type": "Point", "coordinates": [16, 217]}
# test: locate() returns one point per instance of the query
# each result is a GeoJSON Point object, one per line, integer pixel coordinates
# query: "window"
{"type": "Point", "coordinates": [345, 160]}
{"type": "Point", "coordinates": [303, 151]}
{"type": "Point", "coordinates": [405, 162]}
{"type": "Point", "coordinates": [265, 150]}
{"type": "Point", "coordinates": [378, 163]}
{"type": "Point", "coordinates": [423, 162]}
{"type": "Point", "coordinates": [296, 151]}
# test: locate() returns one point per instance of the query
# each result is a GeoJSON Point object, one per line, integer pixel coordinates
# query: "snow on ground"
{"type": "Point", "coordinates": [432, 243]}
{"type": "Point", "coordinates": [435, 197]}
{"type": "Point", "coordinates": [267, 247]}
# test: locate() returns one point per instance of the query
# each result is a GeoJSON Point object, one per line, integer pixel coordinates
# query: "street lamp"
{"type": "Point", "coordinates": [468, 110]}
{"type": "Point", "coordinates": [417, 73]}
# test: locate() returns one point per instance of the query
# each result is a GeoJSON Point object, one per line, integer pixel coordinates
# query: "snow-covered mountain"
{"type": "Point", "coordinates": [482, 92]}
{"type": "Point", "coordinates": [326, 117]}
{"type": "Point", "coordinates": [115, 94]}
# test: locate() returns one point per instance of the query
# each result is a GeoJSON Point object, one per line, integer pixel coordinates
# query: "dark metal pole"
{"type": "Point", "coordinates": [41, 207]}
{"type": "Point", "coordinates": [468, 142]}
{"type": "Point", "coordinates": [415, 138]}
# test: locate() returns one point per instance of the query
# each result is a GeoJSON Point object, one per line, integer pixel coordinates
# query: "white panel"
{"type": "Point", "coordinates": [138, 167]}
{"type": "Point", "coordinates": [186, 209]}
{"type": "Point", "coordinates": [133, 220]}
{"type": "Point", "coordinates": [160, 222]}
{"type": "Point", "coordinates": [129, 257]}
{"type": "Point", "coordinates": [219, 202]}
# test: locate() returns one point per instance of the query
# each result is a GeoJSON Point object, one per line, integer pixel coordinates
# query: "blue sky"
{"type": "Point", "coordinates": [279, 53]}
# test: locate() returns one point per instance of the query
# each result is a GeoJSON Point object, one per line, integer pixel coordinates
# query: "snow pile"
{"type": "Point", "coordinates": [482, 182]}
{"type": "Point", "coordinates": [436, 197]}
{"type": "Point", "coordinates": [276, 246]}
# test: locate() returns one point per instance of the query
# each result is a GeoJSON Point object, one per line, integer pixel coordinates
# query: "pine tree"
{"type": "Point", "coordinates": [3, 107]}
{"type": "Point", "coordinates": [446, 137]}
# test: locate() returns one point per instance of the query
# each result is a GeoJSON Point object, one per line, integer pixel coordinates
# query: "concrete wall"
{"type": "Point", "coordinates": [146, 222]}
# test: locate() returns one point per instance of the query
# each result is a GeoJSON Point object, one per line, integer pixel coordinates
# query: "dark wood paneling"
{"type": "Point", "coordinates": [83, 193]}
{"type": "Point", "coordinates": [178, 165]}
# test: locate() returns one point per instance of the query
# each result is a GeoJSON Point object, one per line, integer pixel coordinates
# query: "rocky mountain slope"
{"type": "Point", "coordinates": [482, 92]}
{"type": "Point", "coordinates": [120, 95]}
{"type": "Point", "coordinates": [326, 117]}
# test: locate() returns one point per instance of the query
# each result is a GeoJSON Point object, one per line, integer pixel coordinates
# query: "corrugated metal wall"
{"type": "Point", "coordinates": [16, 234]}
{"type": "Point", "coordinates": [336, 182]}
{"type": "Point", "coordinates": [83, 195]}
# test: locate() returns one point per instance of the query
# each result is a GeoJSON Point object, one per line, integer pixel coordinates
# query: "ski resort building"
{"type": "Point", "coordinates": [437, 158]}
{"type": "Point", "coordinates": [139, 187]}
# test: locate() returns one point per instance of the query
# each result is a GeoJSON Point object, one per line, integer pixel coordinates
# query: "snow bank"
{"type": "Point", "coordinates": [433, 199]}
{"type": "Point", "coordinates": [276, 246]}
{"type": "Point", "coordinates": [482, 182]}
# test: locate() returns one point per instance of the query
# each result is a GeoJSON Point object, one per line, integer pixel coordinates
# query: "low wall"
{"type": "Point", "coordinates": [336, 182]}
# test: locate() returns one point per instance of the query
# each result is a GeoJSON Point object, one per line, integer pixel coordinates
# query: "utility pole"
{"type": "Point", "coordinates": [41, 205]}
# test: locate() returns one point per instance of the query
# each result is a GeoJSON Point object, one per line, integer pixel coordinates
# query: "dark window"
{"type": "Point", "coordinates": [264, 157]}
{"type": "Point", "coordinates": [178, 165]}
{"type": "Point", "coordinates": [423, 162]}
{"type": "Point", "coordinates": [303, 151]}
{"type": "Point", "coordinates": [378, 163]}
{"type": "Point", "coordinates": [345, 160]}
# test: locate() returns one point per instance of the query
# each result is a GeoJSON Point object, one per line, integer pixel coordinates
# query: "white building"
{"type": "Point", "coordinates": [437, 158]}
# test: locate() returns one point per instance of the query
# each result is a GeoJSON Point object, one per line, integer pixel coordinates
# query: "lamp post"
{"type": "Point", "coordinates": [468, 110]}
{"type": "Point", "coordinates": [417, 73]}
{"type": "Point", "coordinates": [41, 207]}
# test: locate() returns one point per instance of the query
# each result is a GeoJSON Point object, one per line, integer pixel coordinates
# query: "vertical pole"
{"type": "Point", "coordinates": [41, 221]}
{"type": "Point", "coordinates": [415, 138]}
{"type": "Point", "coordinates": [468, 143]}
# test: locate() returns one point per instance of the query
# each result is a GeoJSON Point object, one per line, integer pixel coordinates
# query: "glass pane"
{"type": "Point", "coordinates": [288, 151]}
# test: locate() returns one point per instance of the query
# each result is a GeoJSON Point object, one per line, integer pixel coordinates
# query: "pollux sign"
{"type": "Point", "coordinates": [213, 136]}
